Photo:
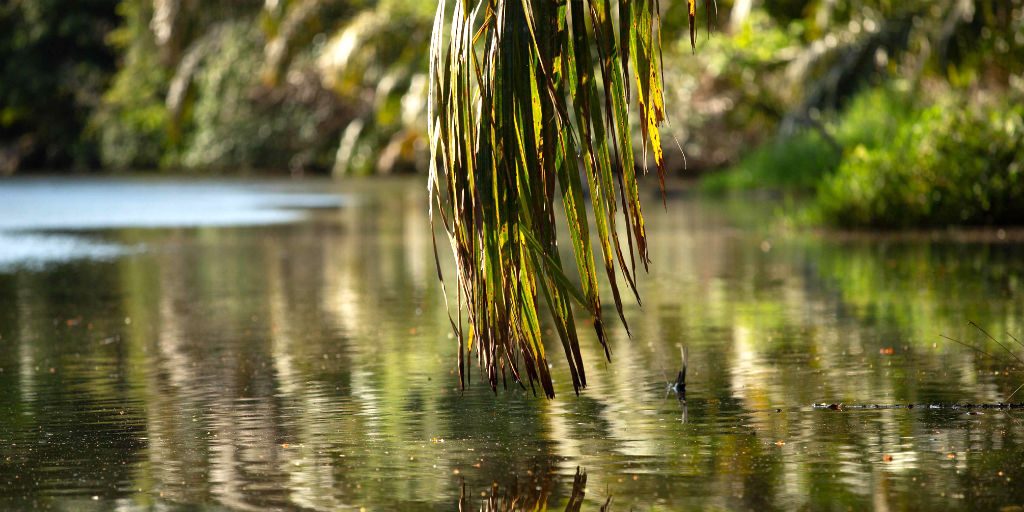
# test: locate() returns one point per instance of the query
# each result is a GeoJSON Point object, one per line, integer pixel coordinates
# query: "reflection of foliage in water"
{"type": "Point", "coordinates": [931, 288]}
{"type": "Point", "coordinates": [310, 366]}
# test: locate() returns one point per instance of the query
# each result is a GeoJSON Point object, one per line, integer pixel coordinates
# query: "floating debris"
{"type": "Point", "coordinates": [956, 406]}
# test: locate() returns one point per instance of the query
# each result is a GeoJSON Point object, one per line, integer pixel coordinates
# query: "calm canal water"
{"type": "Point", "coordinates": [284, 346]}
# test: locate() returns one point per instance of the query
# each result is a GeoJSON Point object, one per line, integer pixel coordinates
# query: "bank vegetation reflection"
{"type": "Point", "coordinates": [312, 366]}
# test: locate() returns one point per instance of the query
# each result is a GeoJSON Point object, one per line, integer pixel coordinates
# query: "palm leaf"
{"type": "Point", "coordinates": [528, 104]}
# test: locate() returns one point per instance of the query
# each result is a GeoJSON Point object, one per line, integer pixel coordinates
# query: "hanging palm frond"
{"type": "Point", "coordinates": [529, 98]}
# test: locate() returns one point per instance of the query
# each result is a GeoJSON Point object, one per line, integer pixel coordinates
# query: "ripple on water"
{"type": "Point", "coordinates": [310, 365]}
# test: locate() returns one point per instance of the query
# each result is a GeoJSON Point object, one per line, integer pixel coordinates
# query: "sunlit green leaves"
{"type": "Point", "coordinates": [528, 104]}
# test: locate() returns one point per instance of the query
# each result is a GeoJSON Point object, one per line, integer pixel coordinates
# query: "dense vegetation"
{"type": "Point", "coordinates": [54, 67]}
{"type": "Point", "coordinates": [822, 97]}
{"type": "Point", "coordinates": [903, 114]}
{"type": "Point", "coordinates": [213, 85]}
{"type": "Point", "coordinates": [951, 164]}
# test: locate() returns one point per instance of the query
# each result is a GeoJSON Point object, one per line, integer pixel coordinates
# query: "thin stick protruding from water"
{"type": "Point", "coordinates": [680, 386]}
{"type": "Point", "coordinates": [978, 327]}
{"type": "Point", "coordinates": [1008, 351]}
{"type": "Point", "coordinates": [1014, 393]}
{"type": "Point", "coordinates": [972, 347]}
{"type": "Point", "coordinates": [1014, 338]}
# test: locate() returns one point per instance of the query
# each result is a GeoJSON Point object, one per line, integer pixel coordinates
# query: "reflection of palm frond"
{"type": "Point", "coordinates": [520, 111]}
{"type": "Point", "coordinates": [534, 495]}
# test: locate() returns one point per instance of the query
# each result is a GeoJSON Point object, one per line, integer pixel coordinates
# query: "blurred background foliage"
{"type": "Point", "coordinates": [890, 114]}
{"type": "Point", "coordinates": [872, 106]}
{"type": "Point", "coordinates": [54, 67]}
{"type": "Point", "coordinates": [221, 85]}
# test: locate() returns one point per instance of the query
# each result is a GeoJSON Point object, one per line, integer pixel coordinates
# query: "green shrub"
{"type": "Point", "coordinates": [797, 162]}
{"type": "Point", "coordinates": [874, 117]}
{"type": "Point", "coordinates": [801, 161]}
{"type": "Point", "coordinates": [955, 164]}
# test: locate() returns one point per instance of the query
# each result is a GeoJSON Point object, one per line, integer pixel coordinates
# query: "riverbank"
{"type": "Point", "coordinates": [894, 160]}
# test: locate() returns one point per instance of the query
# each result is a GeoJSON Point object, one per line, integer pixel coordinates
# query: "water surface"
{"type": "Point", "coordinates": [41, 219]}
{"type": "Point", "coordinates": [291, 359]}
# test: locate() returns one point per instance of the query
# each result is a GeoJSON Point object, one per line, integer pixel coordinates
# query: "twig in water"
{"type": "Point", "coordinates": [679, 386]}
{"type": "Point", "coordinates": [1008, 351]}
{"type": "Point", "coordinates": [1014, 393]}
{"type": "Point", "coordinates": [972, 347]}
{"type": "Point", "coordinates": [1012, 337]}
